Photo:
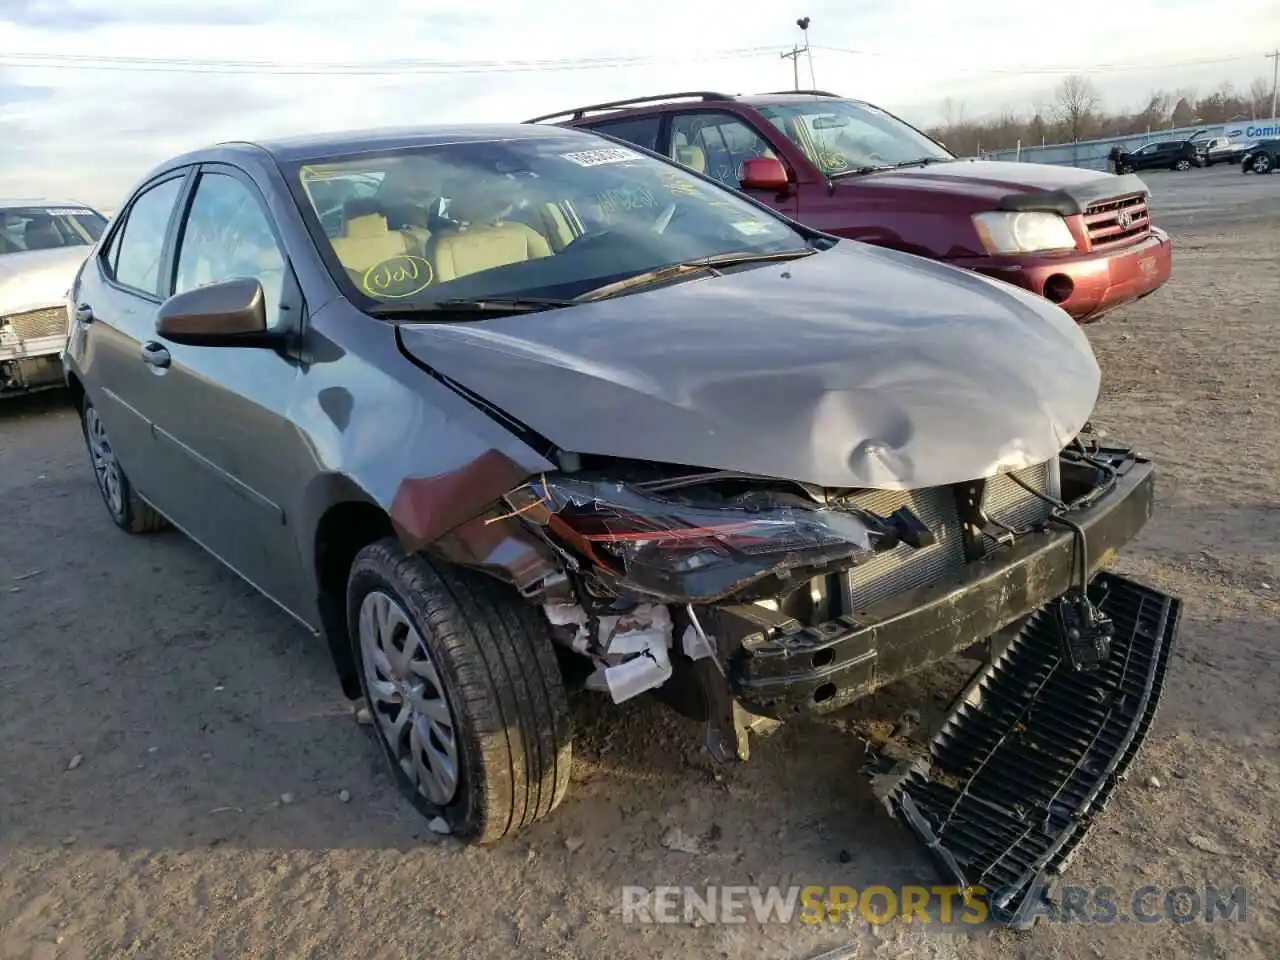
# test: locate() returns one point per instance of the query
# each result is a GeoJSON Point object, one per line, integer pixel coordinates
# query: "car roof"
{"type": "Point", "coordinates": [680, 101]}
{"type": "Point", "coordinates": [317, 146]}
{"type": "Point", "coordinates": [9, 204]}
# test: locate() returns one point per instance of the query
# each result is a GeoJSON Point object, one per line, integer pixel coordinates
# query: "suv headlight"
{"type": "Point", "coordinates": [1003, 232]}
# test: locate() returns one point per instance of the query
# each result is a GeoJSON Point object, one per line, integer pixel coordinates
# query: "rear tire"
{"type": "Point", "coordinates": [466, 695]}
{"type": "Point", "coordinates": [127, 510]}
{"type": "Point", "coordinates": [1262, 164]}
{"type": "Point", "coordinates": [1182, 165]}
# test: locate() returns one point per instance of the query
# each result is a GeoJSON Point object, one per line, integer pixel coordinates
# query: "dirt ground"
{"type": "Point", "coordinates": [194, 705]}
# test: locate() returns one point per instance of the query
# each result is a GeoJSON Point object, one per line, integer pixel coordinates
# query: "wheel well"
{"type": "Point", "coordinates": [76, 389]}
{"type": "Point", "coordinates": [343, 531]}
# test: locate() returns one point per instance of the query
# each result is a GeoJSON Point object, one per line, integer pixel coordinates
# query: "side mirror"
{"type": "Point", "coordinates": [764, 173]}
{"type": "Point", "coordinates": [228, 313]}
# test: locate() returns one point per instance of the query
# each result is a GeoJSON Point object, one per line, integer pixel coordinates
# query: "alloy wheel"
{"type": "Point", "coordinates": [1262, 163]}
{"type": "Point", "coordinates": [407, 697]}
{"type": "Point", "coordinates": [105, 466]}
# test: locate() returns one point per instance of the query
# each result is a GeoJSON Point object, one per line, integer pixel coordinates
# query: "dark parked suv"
{"type": "Point", "coordinates": [1166, 155]}
{"type": "Point", "coordinates": [1081, 238]}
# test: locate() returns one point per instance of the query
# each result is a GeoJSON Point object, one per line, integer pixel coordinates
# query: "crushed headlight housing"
{"type": "Point", "coordinates": [691, 550]}
{"type": "Point", "coordinates": [1004, 232]}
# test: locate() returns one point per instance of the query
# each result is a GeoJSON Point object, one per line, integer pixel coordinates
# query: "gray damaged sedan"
{"type": "Point", "coordinates": [508, 412]}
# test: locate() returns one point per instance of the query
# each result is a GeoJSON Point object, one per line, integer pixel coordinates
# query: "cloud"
{"type": "Point", "coordinates": [92, 133]}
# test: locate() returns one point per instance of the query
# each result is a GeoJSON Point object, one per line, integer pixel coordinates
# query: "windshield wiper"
{"type": "Point", "coordinates": [700, 265]}
{"type": "Point", "coordinates": [493, 306]}
{"type": "Point", "coordinates": [921, 161]}
{"type": "Point", "coordinates": [875, 168]}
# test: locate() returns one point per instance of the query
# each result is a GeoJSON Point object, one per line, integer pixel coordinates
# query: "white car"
{"type": "Point", "coordinates": [42, 244]}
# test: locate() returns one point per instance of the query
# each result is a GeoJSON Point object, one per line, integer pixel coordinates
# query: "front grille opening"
{"type": "Point", "coordinates": [37, 324]}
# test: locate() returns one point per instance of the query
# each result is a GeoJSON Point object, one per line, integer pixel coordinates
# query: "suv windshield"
{"type": "Point", "coordinates": [547, 217]}
{"type": "Point", "coordinates": [48, 228]}
{"type": "Point", "coordinates": [842, 137]}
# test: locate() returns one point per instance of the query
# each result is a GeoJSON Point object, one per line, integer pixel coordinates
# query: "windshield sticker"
{"type": "Point", "coordinates": [69, 212]}
{"type": "Point", "coordinates": [595, 158]}
{"type": "Point", "coordinates": [397, 278]}
{"type": "Point", "coordinates": [752, 228]}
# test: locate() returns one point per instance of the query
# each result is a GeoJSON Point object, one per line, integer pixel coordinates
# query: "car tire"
{"type": "Point", "coordinates": [1183, 164]}
{"type": "Point", "coordinates": [469, 706]}
{"type": "Point", "coordinates": [127, 510]}
{"type": "Point", "coordinates": [1262, 164]}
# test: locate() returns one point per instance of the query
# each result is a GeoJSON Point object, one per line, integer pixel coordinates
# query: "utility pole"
{"type": "Point", "coordinates": [794, 57]}
{"type": "Point", "coordinates": [1274, 57]}
{"type": "Point", "coordinates": [794, 54]}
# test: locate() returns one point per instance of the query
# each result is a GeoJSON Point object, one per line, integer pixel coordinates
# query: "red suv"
{"type": "Point", "coordinates": [1081, 238]}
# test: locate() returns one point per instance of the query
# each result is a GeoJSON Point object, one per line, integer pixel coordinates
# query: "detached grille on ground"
{"type": "Point", "coordinates": [1112, 222]}
{"type": "Point", "coordinates": [1032, 751]}
{"type": "Point", "coordinates": [37, 324]}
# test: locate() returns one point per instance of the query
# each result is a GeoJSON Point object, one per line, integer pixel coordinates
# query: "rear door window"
{"type": "Point", "coordinates": [642, 131]}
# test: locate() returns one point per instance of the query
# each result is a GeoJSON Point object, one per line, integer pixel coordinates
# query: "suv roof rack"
{"type": "Point", "coordinates": [811, 93]}
{"type": "Point", "coordinates": [577, 113]}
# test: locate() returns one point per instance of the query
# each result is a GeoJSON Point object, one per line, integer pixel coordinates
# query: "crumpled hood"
{"type": "Point", "coordinates": [994, 180]}
{"type": "Point", "coordinates": [35, 279]}
{"type": "Point", "coordinates": [856, 367]}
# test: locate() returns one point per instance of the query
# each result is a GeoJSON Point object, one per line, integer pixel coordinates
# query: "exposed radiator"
{"type": "Point", "coordinates": [904, 567]}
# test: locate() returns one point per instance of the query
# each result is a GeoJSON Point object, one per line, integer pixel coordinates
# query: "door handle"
{"type": "Point", "coordinates": [155, 354]}
{"type": "Point", "coordinates": [84, 313]}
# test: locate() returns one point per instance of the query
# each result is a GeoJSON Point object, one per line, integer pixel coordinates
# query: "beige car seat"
{"type": "Point", "coordinates": [366, 239]}
{"type": "Point", "coordinates": [693, 157]}
{"type": "Point", "coordinates": [483, 240]}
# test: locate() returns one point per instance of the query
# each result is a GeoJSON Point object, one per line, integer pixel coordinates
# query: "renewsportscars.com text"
{"type": "Point", "coordinates": [923, 905]}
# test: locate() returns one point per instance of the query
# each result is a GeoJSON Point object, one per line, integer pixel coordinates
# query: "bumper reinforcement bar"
{"type": "Point", "coordinates": [1032, 751]}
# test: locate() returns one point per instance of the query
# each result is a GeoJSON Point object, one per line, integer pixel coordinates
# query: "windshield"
{"type": "Point", "coordinates": [551, 217]}
{"type": "Point", "coordinates": [841, 136]}
{"type": "Point", "coordinates": [47, 228]}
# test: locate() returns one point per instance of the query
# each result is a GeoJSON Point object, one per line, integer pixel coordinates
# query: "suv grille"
{"type": "Point", "coordinates": [35, 324]}
{"type": "Point", "coordinates": [1112, 222]}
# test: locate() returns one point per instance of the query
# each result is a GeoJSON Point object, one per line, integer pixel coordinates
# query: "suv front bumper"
{"type": "Point", "coordinates": [783, 669]}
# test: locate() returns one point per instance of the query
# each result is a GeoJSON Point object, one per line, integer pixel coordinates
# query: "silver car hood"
{"type": "Point", "coordinates": [855, 367]}
{"type": "Point", "coordinates": [35, 279]}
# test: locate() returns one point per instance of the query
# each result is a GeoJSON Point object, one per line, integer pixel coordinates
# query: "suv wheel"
{"type": "Point", "coordinates": [1183, 164]}
{"type": "Point", "coordinates": [465, 691]}
{"type": "Point", "coordinates": [128, 510]}
{"type": "Point", "coordinates": [1262, 163]}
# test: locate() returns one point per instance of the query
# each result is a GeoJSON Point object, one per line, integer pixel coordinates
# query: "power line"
{"type": "Point", "coordinates": [388, 67]}
{"type": "Point", "coordinates": [1053, 70]}
{"type": "Point", "coordinates": [401, 67]}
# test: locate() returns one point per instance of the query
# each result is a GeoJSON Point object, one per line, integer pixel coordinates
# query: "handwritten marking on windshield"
{"type": "Point", "coordinates": [397, 278]}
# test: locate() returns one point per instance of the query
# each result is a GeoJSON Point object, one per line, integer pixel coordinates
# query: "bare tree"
{"type": "Point", "coordinates": [1074, 102]}
{"type": "Point", "coordinates": [1259, 98]}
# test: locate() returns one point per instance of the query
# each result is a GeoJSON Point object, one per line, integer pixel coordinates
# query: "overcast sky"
{"type": "Point", "coordinates": [91, 133]}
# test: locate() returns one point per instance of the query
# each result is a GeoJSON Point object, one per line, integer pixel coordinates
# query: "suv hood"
{"type": "Point", "coordinates": [1007, 186]}
{"type": "Point", "coordinates": [38, 278]}
{"type": "Point", "coordinates": [854, 367]}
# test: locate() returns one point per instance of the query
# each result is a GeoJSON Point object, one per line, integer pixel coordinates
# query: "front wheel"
{"type": "Point", "coordinates": [128, 511]}
{"type": "Point", "coordinates": [465, 691]}
{"type": "Point", "coordinates": [1262, 164]}
{"type": "Point", "coordinates": [1183, 164]}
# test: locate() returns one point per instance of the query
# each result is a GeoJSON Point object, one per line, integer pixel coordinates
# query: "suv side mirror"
{"type": "Point", "coordinates": [228, 313]}
{"type": "Point", "coordinates": [764, 173]}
